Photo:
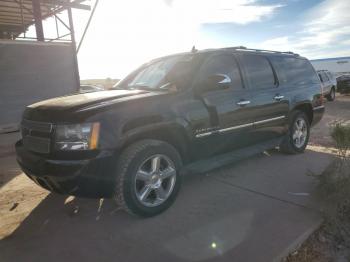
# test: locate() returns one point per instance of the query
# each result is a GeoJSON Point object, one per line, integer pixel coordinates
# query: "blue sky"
{"type": "Point", "coordinates": [283, 19]}
{"type": "Point", "coordinates": [125, 34]}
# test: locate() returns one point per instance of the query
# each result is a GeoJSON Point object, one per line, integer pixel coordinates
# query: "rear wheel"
{"type": "Point", "coordinates": [331, 96]}
{"type": "Point", "coordinates": [298, 134]}
{"type": "Point", "coordinates": [148, 177]}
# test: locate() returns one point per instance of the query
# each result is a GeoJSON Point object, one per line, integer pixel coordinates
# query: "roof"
{"type": "Point", "coordinates": [17, 15]}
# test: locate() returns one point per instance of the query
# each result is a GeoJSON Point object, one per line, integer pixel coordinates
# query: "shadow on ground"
{"type": "Point", "coordinates": [8, 165]}
{"type": "Point", "coordinates": [9, 169]}
{"type": "Point", "coordinates": [246, 212]}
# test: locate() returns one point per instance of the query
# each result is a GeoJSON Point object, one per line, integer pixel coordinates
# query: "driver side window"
{"type": "Point", "coordinates": [219, 65]}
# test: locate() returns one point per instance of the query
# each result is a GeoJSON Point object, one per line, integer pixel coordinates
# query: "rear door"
{"type": "Point", "coordinates": [229, 108]}
{"type": "Point", "coordinates": [269, 102]}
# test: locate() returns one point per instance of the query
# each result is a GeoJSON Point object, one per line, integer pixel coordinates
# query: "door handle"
{"type": "Point", "coordinates": [243, 102]}
{"type": "Point", "coordinates": [278, 97]}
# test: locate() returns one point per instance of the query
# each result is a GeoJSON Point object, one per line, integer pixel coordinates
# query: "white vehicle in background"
{"type": "Point", "coordinates": [329, 84]}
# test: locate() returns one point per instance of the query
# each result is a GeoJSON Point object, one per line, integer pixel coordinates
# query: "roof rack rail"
{"type": "Point", "coordinates": [260, 50]}
{"type": "Point", "coordinates": [235, 47]}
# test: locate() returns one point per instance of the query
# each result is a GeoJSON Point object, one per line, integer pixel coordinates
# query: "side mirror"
{"type": "Point", "coordinates": [217, 82]}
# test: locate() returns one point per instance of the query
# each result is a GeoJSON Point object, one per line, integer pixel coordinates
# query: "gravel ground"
{"type": "Point", "coordinates": [335, 111]}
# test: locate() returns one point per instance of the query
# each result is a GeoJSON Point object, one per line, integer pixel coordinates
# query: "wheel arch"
{"type": "Point", "coordinates": [171, 133]}
{"type": "Point", "coordinates": [305, 107]}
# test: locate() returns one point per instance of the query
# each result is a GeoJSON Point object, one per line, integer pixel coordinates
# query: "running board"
{"type": "Point", "coordinates": [209, 164]}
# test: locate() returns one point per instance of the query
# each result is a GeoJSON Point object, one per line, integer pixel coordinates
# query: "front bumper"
{"type": "Point", "coordinates": [92, 177]}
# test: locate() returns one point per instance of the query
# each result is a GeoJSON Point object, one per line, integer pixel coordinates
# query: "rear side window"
{"type": "Point", "coordinates": [222, 64]}
{"type": "Point", "coordinates": [330, 75]}
{"type": "Point", "coordinates": [258, 71]}
{"type": "Point", "coordinates": [296, 71]}
{"type": "Point", "coordinates": [325, 77]}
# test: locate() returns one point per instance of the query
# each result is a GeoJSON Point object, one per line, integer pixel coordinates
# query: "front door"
{"type": "Point", "coordinates": [230, 118]}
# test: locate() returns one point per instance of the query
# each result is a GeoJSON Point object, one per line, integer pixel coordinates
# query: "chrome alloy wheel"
{"type": "Point", "coordinates": [155, 180]}
{"type": "Point", "coordinates": [299, 132]}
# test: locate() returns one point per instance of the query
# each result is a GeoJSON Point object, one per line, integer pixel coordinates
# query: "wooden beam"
{"type": "Point", "coordinates": [10, 27]}
{"type": "Point", "coordinates": [13, 14]}
{"type": "Point", "coordinates": [10, 20]}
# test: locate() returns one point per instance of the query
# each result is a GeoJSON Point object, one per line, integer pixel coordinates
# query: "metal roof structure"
{"type": "Point", "coordinates": [16, 16]}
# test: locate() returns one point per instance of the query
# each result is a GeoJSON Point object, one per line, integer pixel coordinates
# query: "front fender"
{"type": "Point", "coordinates": [177, 133]}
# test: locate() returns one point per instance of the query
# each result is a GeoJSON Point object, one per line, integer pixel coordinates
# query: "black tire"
{"type": "Point", "coordinates": [288, 145]}
{"type": "Point", "coordinates": [331, 96]}
{"type": "Point", "coordinates": [131, 159]}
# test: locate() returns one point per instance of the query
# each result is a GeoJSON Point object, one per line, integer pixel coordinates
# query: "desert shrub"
{"type": "Point", "coordinates": [332, 240]}
{"type": "Point", "coordinates": [334, 185]}
{"type": "Point", "coordinates": [334, 182]}
{"type": "Point", "coordinates": [340, 133]}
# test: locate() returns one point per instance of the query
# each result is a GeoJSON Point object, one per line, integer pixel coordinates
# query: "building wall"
{"type": "Point", "coordinates": [339, 65]}
{"type": "Point", "coordinates": [30, 72]}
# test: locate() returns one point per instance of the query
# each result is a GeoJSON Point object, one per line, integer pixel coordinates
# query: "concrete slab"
{"type": "Point", "coordinates": [280, 176]}
{"type": "Point", "coordinates": [210, 221]}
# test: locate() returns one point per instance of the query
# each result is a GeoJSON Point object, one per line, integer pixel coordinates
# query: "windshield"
{"type": "Point", "coordinates": [158, 74]}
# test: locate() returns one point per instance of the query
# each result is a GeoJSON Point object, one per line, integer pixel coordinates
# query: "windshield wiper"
{"type": "Point", "coordinates": [133, 87]}
{"type": "Point", "coordinates": [142, 87]}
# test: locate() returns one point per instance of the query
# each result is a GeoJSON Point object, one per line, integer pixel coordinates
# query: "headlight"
{"type": "Point", "coordinates": [77, 137]}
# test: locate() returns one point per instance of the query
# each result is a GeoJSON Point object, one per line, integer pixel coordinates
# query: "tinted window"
{"type": "Point", "coordinates": [259, 71]}
{"type": "Point", "coordinates": [221, 64]}
{"type": "Point", "coordinates": [325, 77]}
{"type": "Point", "coordinates": [330, 75]}
{"type": "Point", "coordinates": [297, 71]}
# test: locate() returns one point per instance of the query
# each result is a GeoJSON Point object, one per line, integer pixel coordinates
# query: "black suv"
{"type": "Point", "coordinates": [184, 112]}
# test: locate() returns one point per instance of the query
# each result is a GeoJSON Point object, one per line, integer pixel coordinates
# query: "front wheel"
{"type": "Point", "coordinates": [298, 134]}
{"type": "Point", "coordinates": [148, 177]}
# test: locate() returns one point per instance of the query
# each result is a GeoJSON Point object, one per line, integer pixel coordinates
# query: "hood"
{"type": "Point", "coordinates": [77, 101]}
{"type": "Point", "coordinates": [80, 106]}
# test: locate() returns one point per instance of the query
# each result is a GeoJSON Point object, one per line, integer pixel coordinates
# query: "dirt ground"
{"type": "Point", "coordinates": [335, 111]}
{"type": "Point", "coordinates": [19, 196]}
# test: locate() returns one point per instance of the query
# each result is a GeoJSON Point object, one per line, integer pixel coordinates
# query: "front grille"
{"type": "Point", "coordinates": [36, 135]}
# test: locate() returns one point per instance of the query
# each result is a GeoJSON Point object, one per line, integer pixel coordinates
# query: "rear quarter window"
{"type": "Point", "coordinates": [292, 70]}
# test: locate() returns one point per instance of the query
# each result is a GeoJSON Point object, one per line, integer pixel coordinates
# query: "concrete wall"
{"type": "Point", "coordinates": [338, 65]}
{"type": "Point", "coordinates": [30, 72]}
